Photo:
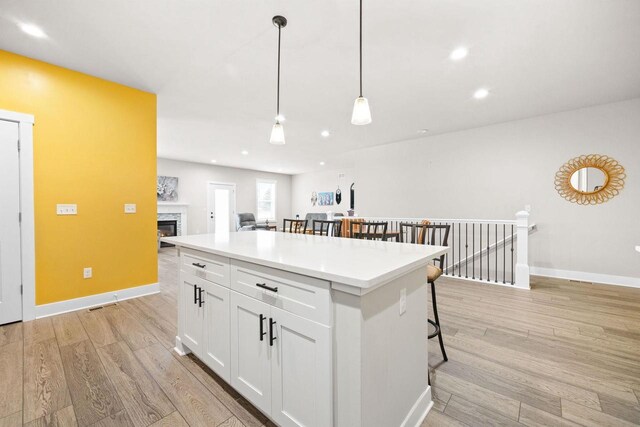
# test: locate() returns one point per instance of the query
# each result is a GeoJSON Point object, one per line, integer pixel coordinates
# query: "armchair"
{"type": "Point", "coordinates": [247, 222]}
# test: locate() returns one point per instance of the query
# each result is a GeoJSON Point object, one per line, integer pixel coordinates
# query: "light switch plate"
{"type": "Point", "coordinates": [130, 208]}
{"type": "Point", "coordinates": [68, 209]}
{"type": "Point", "coordinates": [88, 273]}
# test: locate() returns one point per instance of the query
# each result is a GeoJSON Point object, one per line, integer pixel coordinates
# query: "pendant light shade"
{"type": "Point", "coordinates": [277, 132]}
{"type": "Point", "coordinates": [361, 112]}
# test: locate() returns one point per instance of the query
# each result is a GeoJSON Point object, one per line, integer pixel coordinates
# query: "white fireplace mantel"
{"type": "Point", "coordinates": [180, 209]}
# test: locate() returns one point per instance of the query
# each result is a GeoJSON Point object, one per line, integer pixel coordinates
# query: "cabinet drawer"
{"type": "Point", "coordinates": [206, 266]}
{"type": "Point", "coordinates": [305, 296]}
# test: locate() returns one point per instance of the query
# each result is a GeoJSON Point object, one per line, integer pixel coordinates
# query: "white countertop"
{"type": "Point", "coordinates": [360, 263]}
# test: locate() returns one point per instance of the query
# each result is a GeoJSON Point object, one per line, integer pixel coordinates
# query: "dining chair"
{"type": "Point", "coordinates": [294, 226]}
{"type": "Point", "coordinates": [368, 230]}
{"type": "Point", "coordinates": [327, 228]}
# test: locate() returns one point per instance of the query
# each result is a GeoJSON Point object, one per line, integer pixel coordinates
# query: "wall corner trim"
{"type": "Point", "coordinates": [46, 310]}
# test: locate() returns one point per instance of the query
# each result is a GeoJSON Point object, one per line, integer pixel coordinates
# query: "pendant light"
{"type": "Point", "coordinates": [277, 132]}
{"type": "Point", "coordinates": [361, 113]}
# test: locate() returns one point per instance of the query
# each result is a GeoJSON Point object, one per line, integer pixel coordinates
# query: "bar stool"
{"type": "Point", "coordinates": [419, 234]}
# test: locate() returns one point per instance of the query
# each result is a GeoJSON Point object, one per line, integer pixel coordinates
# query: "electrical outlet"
{"type": "Point", "coordinates": [88, 273]}
{"type": "Point", "coordinates": [403, 301]}
{"type": "Point", "coordinates": [70, 209]}
{"type": "Point", "coordinates": [130, 208]}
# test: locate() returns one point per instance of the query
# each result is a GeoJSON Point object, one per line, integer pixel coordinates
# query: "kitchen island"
{"type": "Point", "coordinates": [312, 330]}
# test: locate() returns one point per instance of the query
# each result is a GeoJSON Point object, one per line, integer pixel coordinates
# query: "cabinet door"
{"type": "Point", "coordinates": [301, 372]}
{"type": "Point", "coordinates": [215, 350]}
{"type": "Point", "coordinates": [192, 315]}
{"type": "Point", "coordinates": [250, 367]}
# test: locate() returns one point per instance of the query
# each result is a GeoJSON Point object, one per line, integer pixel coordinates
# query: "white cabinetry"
{"type": "Point", "coordinates": [300, 371]}
{"type": "Point", "coordinates": [254, 335]}
{"type": "Point", "coordinates": [317, 335]}
{"type": "Point", "coordinates": [215, 340]}
{"type": "Point", "coordinates": [250, 370]}
{"type": "Point", "coordinates": [192, 318]}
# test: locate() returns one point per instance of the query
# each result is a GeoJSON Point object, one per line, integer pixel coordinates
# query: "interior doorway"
{"type": "Point", "coordinates": [10, 244]}
{"type": "Point", "coordinates": [221, 207]}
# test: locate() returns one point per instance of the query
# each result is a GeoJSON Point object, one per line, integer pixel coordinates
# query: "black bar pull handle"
{"type": "Point", "coordinates": [195, 294]}
{"type": "Point", "coordinates": [269, 288]}
{"type": "Point", "coordinates": [262, 331]}
{"type": "Point", "coordinates": [201, 299]}
{"type": "Point", "coordinates": [197, 264]}
{"type": "Point", "coordinates": [272, 337]}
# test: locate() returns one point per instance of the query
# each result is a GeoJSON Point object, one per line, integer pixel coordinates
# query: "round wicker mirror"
{"type": "Point", "coordinates": [590, 179]}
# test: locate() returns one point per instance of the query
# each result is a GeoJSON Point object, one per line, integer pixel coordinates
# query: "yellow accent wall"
{"type": "Point", "coordinates": [94, 145]}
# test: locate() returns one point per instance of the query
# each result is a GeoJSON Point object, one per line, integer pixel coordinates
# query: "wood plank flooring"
{"type": "Point", "coordinates": [562, 354]}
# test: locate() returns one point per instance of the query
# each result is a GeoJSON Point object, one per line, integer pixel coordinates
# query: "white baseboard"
{"type": "Point", "coordinates": [46, 310]}
{"type": "Point", "coordinates": [419, 411]}
{"type": "Point", "coordinates": [605, 279]}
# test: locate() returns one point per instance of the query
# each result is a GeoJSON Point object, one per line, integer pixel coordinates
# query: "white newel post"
{"type": "Point", "coordinates": [522, 262]}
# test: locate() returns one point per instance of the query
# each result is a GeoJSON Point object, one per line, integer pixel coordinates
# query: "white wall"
{"type": "Point", "coordinates": [494, 171]}
{"type": "Point", "coordinates": [325, 181]}
{"type": "Point", "coordinates": [192, 188]}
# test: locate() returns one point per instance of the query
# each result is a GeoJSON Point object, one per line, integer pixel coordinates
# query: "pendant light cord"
{"type": "Point", "coordinates": [360, 48]}
{"type": "Point", "coordinates": [278, 95]}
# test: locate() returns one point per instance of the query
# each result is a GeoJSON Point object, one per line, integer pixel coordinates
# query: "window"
{"type": "Point", "coordinates": [266, 195]}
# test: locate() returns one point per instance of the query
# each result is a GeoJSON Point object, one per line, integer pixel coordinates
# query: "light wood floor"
{"type": "Point", "coordinates": [562, 354]}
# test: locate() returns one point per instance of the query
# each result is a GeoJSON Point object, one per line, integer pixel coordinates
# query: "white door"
{"type": "Point", "coordinates": [192, 312]}
{"type": "Point", "coordinates": [300, 372]}
{"type": "Point", "coordinates": [10, 264]}
{"type": "Point", "coordinates": [215, 351]}
{"type": "Point", "coordinates": [251, 368]}
{"type": "Point", "coordinates": [221, 207]}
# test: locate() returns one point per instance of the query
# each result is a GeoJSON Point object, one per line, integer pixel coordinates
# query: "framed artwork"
{"type": "Point", "coordinates": [325, 199]}
{"type": "Point", "coordinates": [167, 189]}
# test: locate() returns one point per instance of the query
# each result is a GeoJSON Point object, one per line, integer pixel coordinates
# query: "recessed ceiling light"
{"type": "Point", "coordinates": [214, 161]}
{"type": "Point", "coordinates": [481, 93]}
{"type": "Point", "coordinates": [244, 152]}
{"type": "Point", "coordinates": [458, 54]}
{"type": "Point", "coordinates": [33, 30]}
{"type": "Point", "coordinates": [280, 170]}
{"type": "Point", "coordinates": [321, 163]}
{"type": "Point", "coordinates": [423, 131]}
{"type": "Point", "coordinates": [325, 133]}
{"type": "Point", "coordinates": [280, 118]}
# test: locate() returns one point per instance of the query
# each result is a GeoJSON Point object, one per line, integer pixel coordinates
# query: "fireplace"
{"type": "Point", "coordinates": [167, 228]}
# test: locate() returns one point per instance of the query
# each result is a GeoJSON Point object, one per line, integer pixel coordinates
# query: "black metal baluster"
{"type": "Point", "coordinates": [453, 249]}
{"type": "Point", "coordinates": [459, 251]}
{"type": "Point", "coordinates": [466, 250]}
{"type": "Point", "coordinates": [512, 282]}
{"type": "Point", "coordinates": [504, 253]}
{"type": "Point", "coordinates": [480, 234]}
{"type": "Point", "coordinates": [496, 243]}
{"type": "Point", "coordinates": [473, 249]}
{"type": "Point", "coordinates": [488, 256]}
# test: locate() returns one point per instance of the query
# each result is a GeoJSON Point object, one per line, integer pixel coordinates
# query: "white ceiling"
{"type": "Point", "coordinates": [213, 65]}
